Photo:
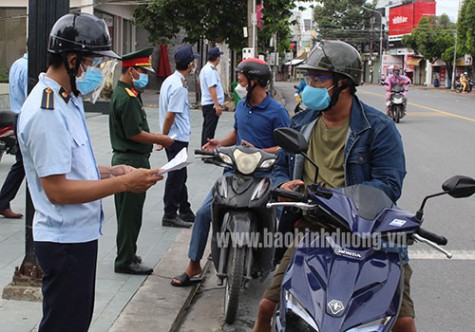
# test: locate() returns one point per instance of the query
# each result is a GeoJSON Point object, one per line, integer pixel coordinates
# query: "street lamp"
{"type": "Point", "coordinates": [380, 40]}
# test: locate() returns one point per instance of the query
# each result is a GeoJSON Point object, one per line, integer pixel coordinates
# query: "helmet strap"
{"type": "Point", "coordinates": [250, 89]}
{"type": "Point", "coordinates": [72, 72]}
{"type": "Point", "coordinates": [336, 93]}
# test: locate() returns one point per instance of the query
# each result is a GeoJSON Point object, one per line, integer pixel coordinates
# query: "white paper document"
{"type": "Point", "coordinates": [176, 163]}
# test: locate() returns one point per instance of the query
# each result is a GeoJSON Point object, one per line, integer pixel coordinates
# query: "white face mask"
{"type": "Point", "coordinates": [241, 91]}
{"type": "Point", "coordinates": [193, 70]}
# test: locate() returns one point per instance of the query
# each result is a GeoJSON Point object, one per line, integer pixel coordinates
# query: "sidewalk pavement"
{"type": "Point", "coordinates": [123, 302]}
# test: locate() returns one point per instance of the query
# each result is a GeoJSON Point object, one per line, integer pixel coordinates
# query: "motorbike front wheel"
{"type": "Point", "coordinates": [396, 113]}
{"type": "Point", "coordinates": [1, 154]}
{"type": "Point", "coordinates": [234, 272]}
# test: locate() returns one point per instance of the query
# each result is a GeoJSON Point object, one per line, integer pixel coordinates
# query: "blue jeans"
{"type": "Point", "coordinates": [201, 226]}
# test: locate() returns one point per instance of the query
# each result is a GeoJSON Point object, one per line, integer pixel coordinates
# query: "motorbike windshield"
{"type": "Point", "coordinates": [397, 88]}
{"type": "Point", "coordinates": [369, 201]}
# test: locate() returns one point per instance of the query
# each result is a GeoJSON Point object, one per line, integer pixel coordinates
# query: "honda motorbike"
{"type": "Point", "coordinates": [7, 134]}
{"type": "Point", "coordinates": [241, 221]}
{"type": "Point", "coordinates": [396, 105]}
{"type": "Point", "coordinates": [348, 280]}
{"type": "Point", "coordinates": [458, 86]}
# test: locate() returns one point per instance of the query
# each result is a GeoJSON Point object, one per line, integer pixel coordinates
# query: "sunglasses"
{"type": "Point", "coordinates": [316, 79]}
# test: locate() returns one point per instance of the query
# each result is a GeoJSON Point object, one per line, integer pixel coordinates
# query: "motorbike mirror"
{"type": "Point", "coordinates": [290, 140]}
{"type": "Point", "coordinates": [459, 186]}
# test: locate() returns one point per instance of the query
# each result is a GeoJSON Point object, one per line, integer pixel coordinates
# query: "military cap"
{"type": "Point", "coordinates": [142, 58]}
{"type": "Point", "coordinates": [184, 55]}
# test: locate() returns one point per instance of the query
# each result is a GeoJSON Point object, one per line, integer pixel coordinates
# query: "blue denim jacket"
{"type": "Point", "coordinates": [373, 154]}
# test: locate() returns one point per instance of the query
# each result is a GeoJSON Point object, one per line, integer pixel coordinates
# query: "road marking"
{"type": "Point", "coordinates": [458, 255]}
{"type": "Point", "coordinates": [429, 108]}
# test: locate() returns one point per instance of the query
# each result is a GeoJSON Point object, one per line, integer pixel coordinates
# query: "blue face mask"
{"type": "Point", "coordinates": [141, 82]}
{"type": "Point", "coordinates": [89, 80]}
{"type": "Point", "coordinates": [316, 99]}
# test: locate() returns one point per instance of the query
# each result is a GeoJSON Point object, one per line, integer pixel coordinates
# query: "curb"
{"type": "Point", "coordinates": [156, 295]}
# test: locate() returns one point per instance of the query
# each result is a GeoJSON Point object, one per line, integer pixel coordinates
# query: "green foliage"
{"type": "Point", "coordinates": [3, 74]}
{"type": "Point", "coordinates": [219, 21]}
{"type": "Point", "coordinates": [345, 20]}
{"type": "Point", "coordinates": [433, 38]}
{"type": "Point", "coordinates": [276, 20]}
{"type": "Point", "coordinates": [466, 28]}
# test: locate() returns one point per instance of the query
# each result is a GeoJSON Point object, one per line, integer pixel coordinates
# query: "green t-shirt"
{"type": "Point", "coordinates": [327, 149]}
{"type": "Point", "coordinates": [127, 119]}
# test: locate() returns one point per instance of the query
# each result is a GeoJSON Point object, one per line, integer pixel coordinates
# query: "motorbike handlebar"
{"type": "Point", "coordinates": [204, 152]}
{"type": "Point", "coordinates": [294, 196]}
{"type": "Point", "coordinates": [438, 239]}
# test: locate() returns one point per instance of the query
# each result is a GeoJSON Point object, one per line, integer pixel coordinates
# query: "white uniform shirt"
{"type": "Point", "coordinates": [54, 140]}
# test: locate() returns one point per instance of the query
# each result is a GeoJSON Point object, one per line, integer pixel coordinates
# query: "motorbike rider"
{"type": "Point", "coordinates": [464, 81]}
{"type": "Point", "coordinates": [352, 143]}
{"type": "Point", "coordinates": [396, 78]}
{"type": "Point", "coordinates": [256, 117]}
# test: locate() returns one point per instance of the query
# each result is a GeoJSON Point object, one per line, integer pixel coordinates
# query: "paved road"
{"type": "Point", "coordinates": [438, 134]}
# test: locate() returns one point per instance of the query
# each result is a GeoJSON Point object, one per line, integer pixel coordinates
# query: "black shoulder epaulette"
{"type": "Point", "coordinates": [66, 96]}
{"type": "Point", "coordinates": [47, 102]}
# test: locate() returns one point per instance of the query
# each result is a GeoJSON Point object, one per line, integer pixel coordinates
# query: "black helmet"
{"type": "Point", "coordinates": [335, 56]}
{"type": "Point", "coordinates": [81, 33]}
{"type": "Point", "coordinates": [257, 69]}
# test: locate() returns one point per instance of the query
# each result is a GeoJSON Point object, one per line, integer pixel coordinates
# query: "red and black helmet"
{"type": "Point", "coordinates": [256, 69]}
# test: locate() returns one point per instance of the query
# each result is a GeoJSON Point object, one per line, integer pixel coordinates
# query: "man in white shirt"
{"type": "Point", "coordinates": [212, 95]}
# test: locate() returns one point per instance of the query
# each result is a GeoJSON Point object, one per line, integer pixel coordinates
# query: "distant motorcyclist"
{"type": "Point", "coordinates": [395, 79]}
{"type": "Point", "coordinates": [464, 82]}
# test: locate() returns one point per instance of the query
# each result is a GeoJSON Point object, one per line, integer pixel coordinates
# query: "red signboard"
{"type": "Point", "coordinates": [403, 19]}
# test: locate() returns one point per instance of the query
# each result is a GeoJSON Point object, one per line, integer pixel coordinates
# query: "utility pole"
{"type": "Point", "coordinates": [42, 14]}
{"type": "Point", "coordinates": [371, 49]}
{"type": "Point", "coordinates": [381, 38]}
{"type": "Point", "coordinates": [251, 26]}
{"type": "Point", "coordinates": [454, 71]}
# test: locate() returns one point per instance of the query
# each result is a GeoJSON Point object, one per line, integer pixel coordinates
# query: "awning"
{"type": "Point", "coordinates": [294, 62]}
{"type": "Point", "coordinates": [414, 61]}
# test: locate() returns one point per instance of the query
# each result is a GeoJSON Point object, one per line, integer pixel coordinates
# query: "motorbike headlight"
{"type": "Point", "coordinates": [375, 326]}
{"type": "Point", "coordinates": [267, 163]}
{"type": "Point", "coordinates": [246, 163]}
{"type": "Point", "coordinates": [297, 319]}
{"type": "Point", "coordinates": [388, 103]}
{"type": "Point", "coordinates": [225, 158]}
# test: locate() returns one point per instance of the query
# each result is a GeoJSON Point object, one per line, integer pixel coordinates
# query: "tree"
{"type": "Point", "coordinates": [345, 20]}
{"type": "Point", "coordinates": [466, 29]}
{"type": "Point", "coordinates": [434, 39]}
{"type": "Point", "coordinates": [219, 21]}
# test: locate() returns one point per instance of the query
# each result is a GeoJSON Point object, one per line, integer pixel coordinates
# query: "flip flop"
{"type": "Point", "coordinates": [185, 280]}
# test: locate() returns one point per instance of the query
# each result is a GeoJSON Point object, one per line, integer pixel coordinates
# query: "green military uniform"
{"type": "Point", "coordinates": [127, 119]}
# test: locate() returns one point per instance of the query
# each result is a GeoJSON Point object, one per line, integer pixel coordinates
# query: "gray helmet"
{"type": "Point", "coordinates": [81, 33]}
{"type": "Point", "coordinates": [335, 56]}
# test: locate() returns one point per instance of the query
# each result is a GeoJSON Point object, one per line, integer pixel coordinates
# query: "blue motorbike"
{"type": "Point", "coordinates": [348, 278]}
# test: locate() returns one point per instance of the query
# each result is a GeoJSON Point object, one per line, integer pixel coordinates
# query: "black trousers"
{"type": "Point", "coordinates": [69, 281]}
{"type": "Point", "coordinates": [210, 122]}
{"type": "Point", "coordinates": [176, 194]}
{"type": "Point", "coordinates": [14, 177]}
